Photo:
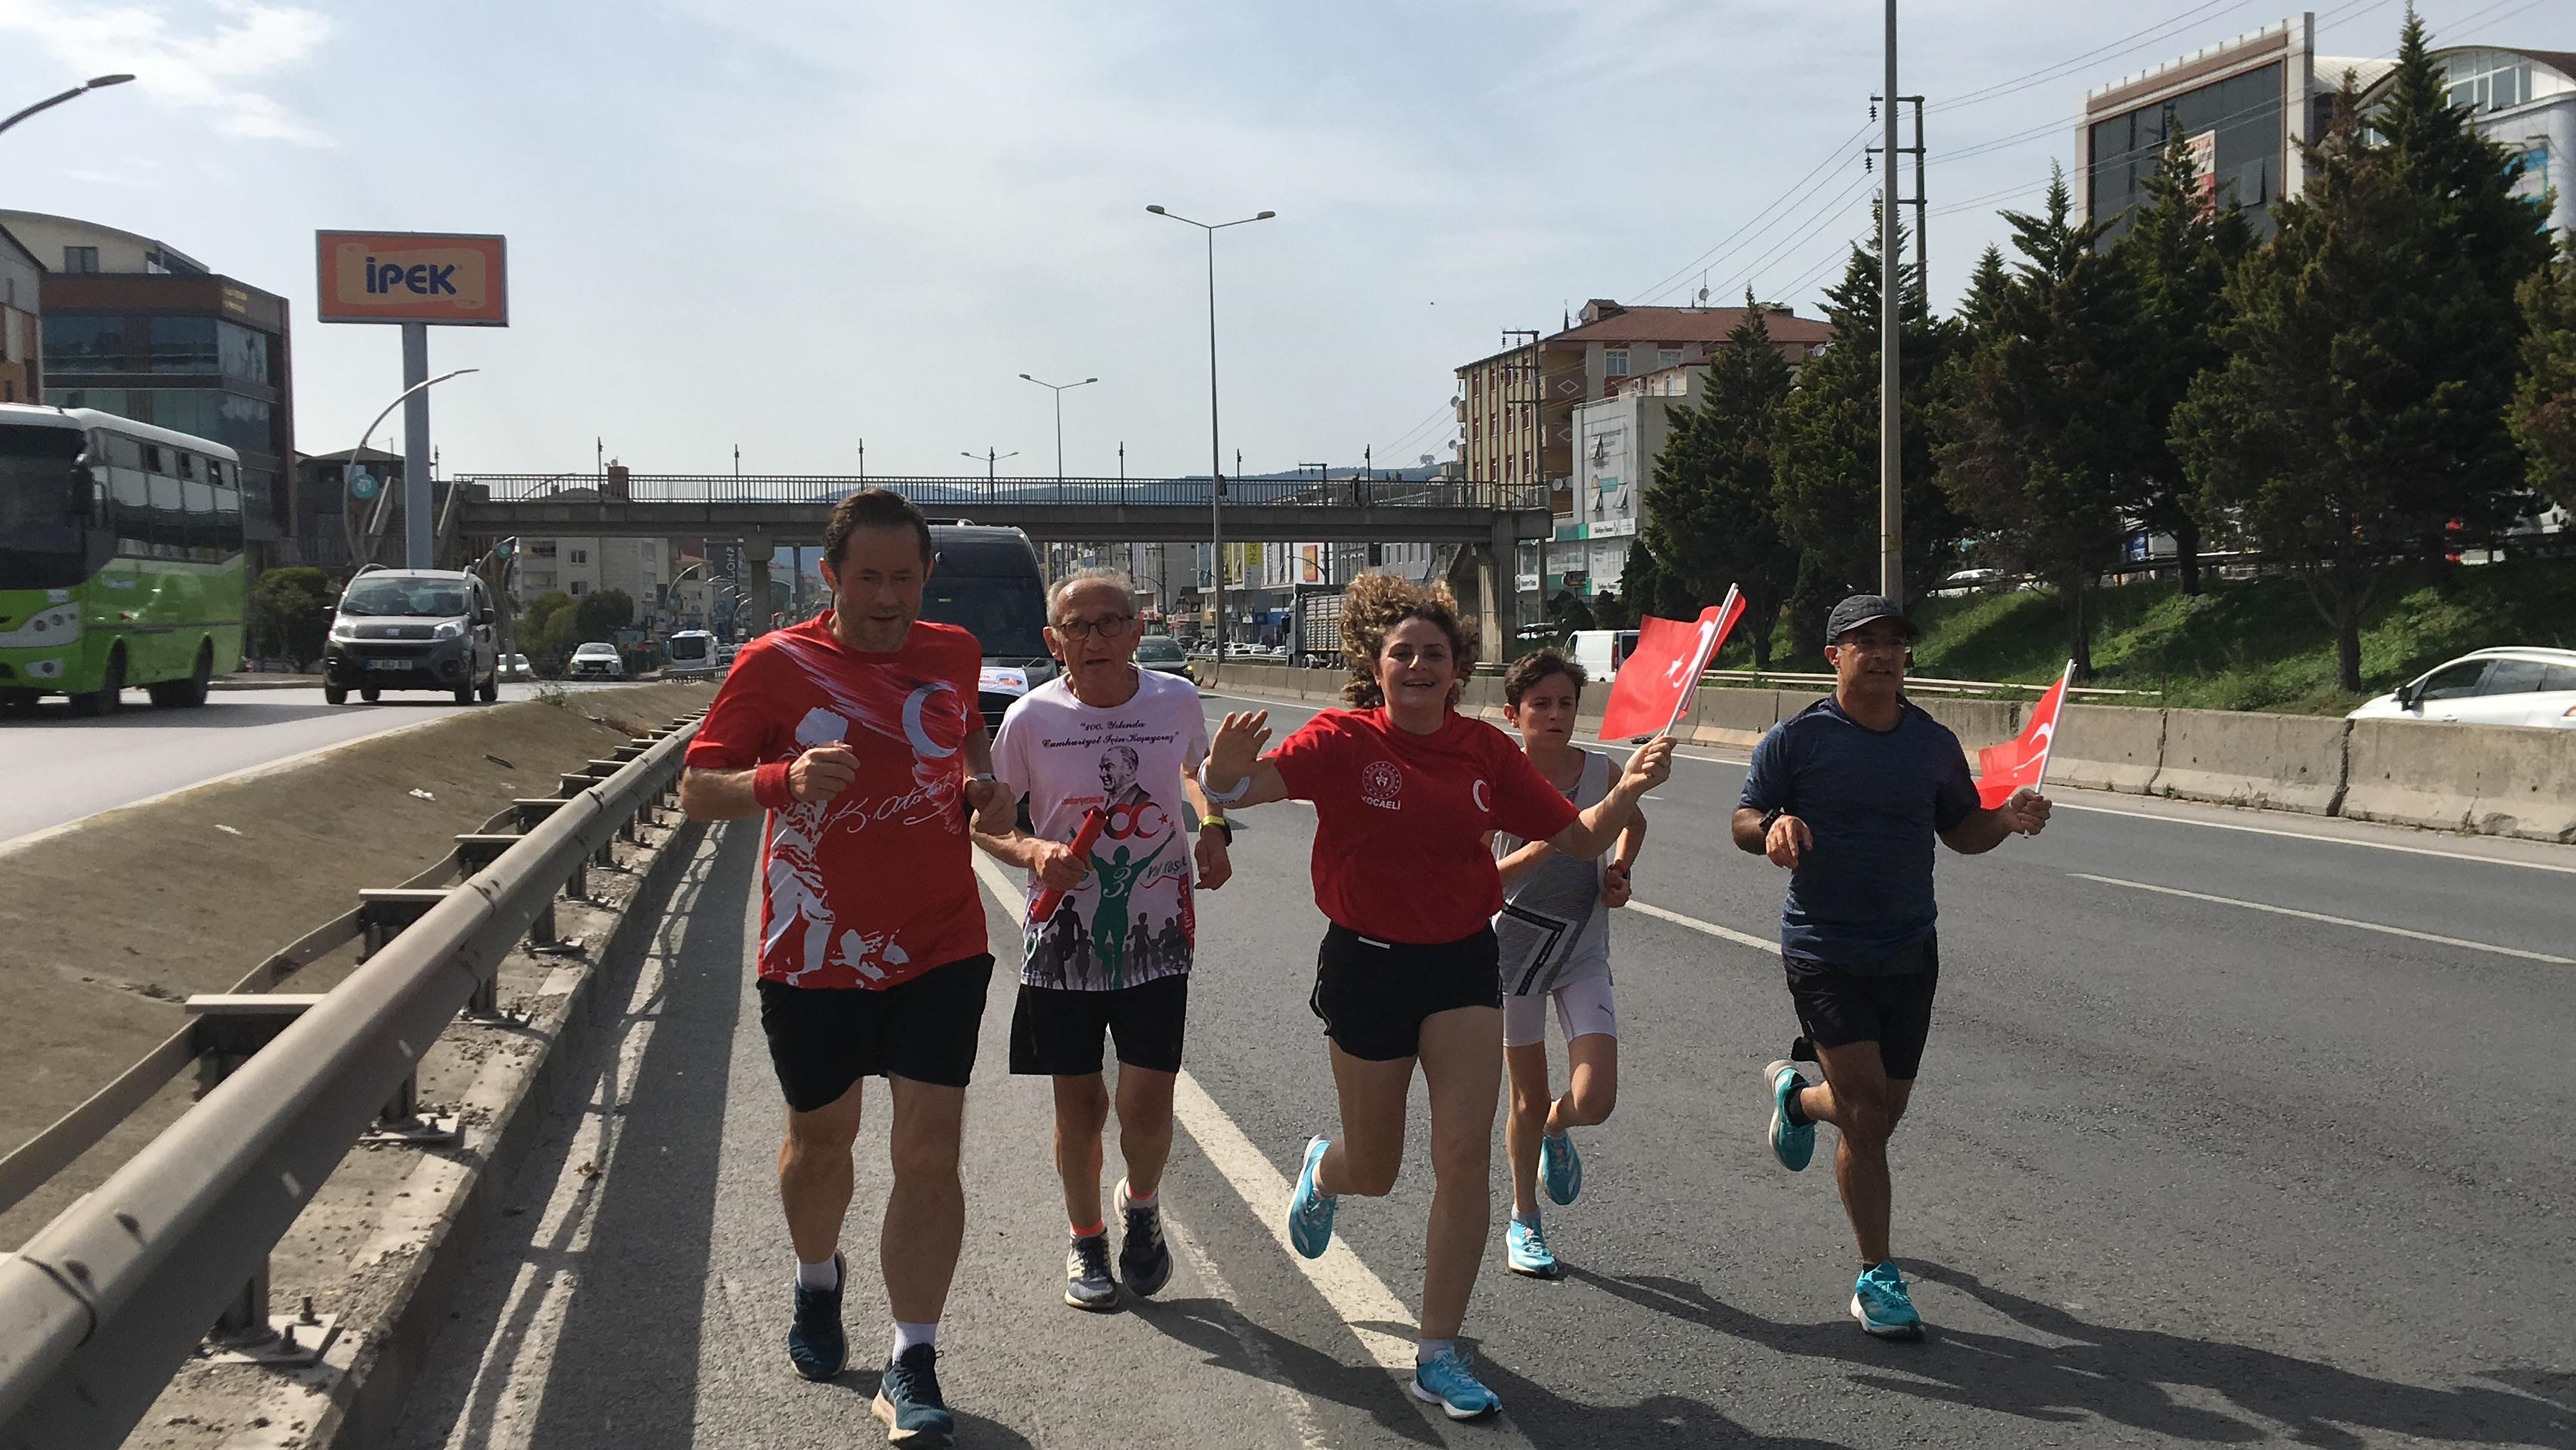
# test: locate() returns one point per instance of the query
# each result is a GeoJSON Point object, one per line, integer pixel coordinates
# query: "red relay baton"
{"type": "Point", "coordinates": [1042, 908]}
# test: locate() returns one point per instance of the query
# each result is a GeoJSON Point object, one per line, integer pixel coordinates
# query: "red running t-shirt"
{"type": "Point", "coordinates": [873, 887]}
{"type": "Point", "coordinates": [1400, 820]}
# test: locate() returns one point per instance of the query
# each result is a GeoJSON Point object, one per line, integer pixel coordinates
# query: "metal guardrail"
{"type": "Point", "coordinates": [936, 493]}
{"type": "Point", "coordinates": [102, 1305]}
{"type": "Point", "coordinates": [1915, 682]}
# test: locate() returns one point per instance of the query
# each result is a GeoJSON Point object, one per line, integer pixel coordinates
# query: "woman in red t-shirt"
{"type": "Point", "coordinates": [1406, 791]}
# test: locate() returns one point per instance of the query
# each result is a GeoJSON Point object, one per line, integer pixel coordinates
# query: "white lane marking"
{"type": "Point", "coordinates": [1727, 933]}
{"type": "Point", "coordinates": [1301, 1414]}
{"type": "Point", "coordinates": [2448, 941]}
{"type": "Point", "coordinates": [2064, 804]}
{"type": "Point", "coordinates": [1349, 1287]}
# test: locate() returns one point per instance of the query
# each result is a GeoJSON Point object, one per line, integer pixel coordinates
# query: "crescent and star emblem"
{"type": "Point", "coordinates": [922, 744]}
{"type": "Point", "coordinates": [1478, 792]}
{"type": "Point", "coordinates": [1679, 669]}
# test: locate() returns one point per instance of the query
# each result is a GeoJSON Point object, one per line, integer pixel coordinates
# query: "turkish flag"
{"type": "Point", "coordinates": [2003, 769]}
{"type": "Point", "coordinates": [1655, 683]}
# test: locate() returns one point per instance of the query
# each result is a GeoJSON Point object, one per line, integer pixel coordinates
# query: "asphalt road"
{"type": "Point", "coordinates": [56, 767]}
{"type": "Point", "coordinates": [2181, 1169]}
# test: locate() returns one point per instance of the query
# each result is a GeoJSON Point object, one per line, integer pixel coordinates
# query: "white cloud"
{"type": "Point", "coordinates": [209, 61]}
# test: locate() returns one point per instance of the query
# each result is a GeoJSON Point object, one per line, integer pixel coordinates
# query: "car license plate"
{"type": "Point", "coordinates": [388, 664]}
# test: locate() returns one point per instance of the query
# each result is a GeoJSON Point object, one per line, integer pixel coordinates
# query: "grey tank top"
{"type": "Point", "coordinates": [1553, 929]}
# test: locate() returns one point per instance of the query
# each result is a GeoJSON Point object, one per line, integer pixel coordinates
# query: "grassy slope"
{"type": "Point", "coordinates": [2256, 645]}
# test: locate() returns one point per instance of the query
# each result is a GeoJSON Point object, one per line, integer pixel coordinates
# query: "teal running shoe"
{"type": "Point", "coordinates": [1559, 1168]}
{"type": "Point", "coordinates": [1793, 1144]}
{"type": "Point", "coordinates": [1525, 1250]}
{"type": "Point", "coordinates": [1882, 1306]}
{"type": "Point", "coordinates": [1447, 1382]}
{"type": "Point", "coordinates": [1310, 1212]}
{"type": "Point", "coordinates": [909, 1403]}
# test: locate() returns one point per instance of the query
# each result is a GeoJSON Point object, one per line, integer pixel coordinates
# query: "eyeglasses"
{"type": "Point", "coordinates": [1873, 644]}
{"type": "Point", "coordinates": [1109, 628]}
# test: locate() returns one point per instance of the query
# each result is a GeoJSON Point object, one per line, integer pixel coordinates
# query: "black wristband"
{"type": "Point", "coordinates": [1771, 817]}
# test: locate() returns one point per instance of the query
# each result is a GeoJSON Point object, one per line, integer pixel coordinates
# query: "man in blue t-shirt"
{"type": "Point", "coordinates": [1847, 795]}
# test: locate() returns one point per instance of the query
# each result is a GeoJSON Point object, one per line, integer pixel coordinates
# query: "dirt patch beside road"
{"type": "Point", "coordinates": [115, 922]}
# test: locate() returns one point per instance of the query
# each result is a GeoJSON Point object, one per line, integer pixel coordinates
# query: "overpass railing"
{"type": "Point", "coordinates": [104, 1303]}
{"type": "Point", "coordinates": [936, 494]}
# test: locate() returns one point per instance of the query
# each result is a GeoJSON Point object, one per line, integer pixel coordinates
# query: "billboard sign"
{"type": "Point", "coordinates": [435, 277]}
{"type": "Point", "coordinates": [2203, 149]}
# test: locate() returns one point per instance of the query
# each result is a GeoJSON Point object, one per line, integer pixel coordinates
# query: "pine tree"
{"type": "Point", "coordinates": [1712, 513]}
{"type": "Point", "coordinates": [1825, 452]}
{"type": "Point", "coordinates": [2358, 422]}
{"type": "Point", "coordinates": [2544, 401]}
{"type": "Point", "coordinates": [2179, 251]}
{"type": "Point", "coordinates": [2044, 420]}
{"type": "Point", "coordinates": [1986, 290]}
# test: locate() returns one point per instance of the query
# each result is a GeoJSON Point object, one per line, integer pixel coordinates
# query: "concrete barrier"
{"type": "Point", "coordinates": [2284, 762]}
{"type": "Point", "coordinates": [1483, 699]}
{"type": "Point", "coordinates": [2108, 747]}
{"type": "Point", "coordinates": [2496, 780]}
{"type": "Point", "coordinates": [1977, 723]}
{"type": "Point", "coordinates": [1734, 718]}
{"type": "Point", "coordinates": [1324, 687]}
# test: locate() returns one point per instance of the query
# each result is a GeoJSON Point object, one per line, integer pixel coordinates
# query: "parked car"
{"type": "Point", "coordinates": [412, 629]}
{"type": "Point", "coordinates": [2510, 686]}
{"type": "Point", "coordinates": [516, 667]}
{"type": "Point", "coordinates": [597, 659]}
{"type": "Point", "coordinates": [1162, 652]}
{"type": "Point", "coordinates": [1602, 651]}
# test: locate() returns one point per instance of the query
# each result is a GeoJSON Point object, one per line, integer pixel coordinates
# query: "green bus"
{"type": "Point", "coordinates": [120, 559]}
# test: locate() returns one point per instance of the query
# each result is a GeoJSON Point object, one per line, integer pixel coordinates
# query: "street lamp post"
{"type": "Point", "coordinates": [1059, 390]}
{"type": "Point", "coordinates": [1216, 455]}
{"type": "Point", "coordinates": [94, 83]}
{"type": "Point", "coordinates": [990, 458]}
{"type": "Point", "coordinates": [412, 527]}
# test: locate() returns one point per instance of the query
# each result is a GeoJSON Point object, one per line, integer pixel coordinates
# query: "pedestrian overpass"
{"type": "Point", "coordinates": [1488, 521]}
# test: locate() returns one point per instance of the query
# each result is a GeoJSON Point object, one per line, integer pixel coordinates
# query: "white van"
{"type": "Point", "coordinates": [1602, 651]}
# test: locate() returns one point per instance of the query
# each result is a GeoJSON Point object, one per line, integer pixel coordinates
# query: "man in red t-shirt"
{"type": "Point", "coordinates": [855, 733]}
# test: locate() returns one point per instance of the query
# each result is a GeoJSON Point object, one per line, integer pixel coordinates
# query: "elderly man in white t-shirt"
{"type": "Point", "coordinates": [1106, 756]}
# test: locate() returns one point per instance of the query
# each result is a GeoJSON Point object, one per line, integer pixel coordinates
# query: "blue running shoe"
{"type": "Point", "coordinates": [1882, 1306]}
{"type": "Point", "coordinates": [1525, 1251]}
{"type": "Point", "coordinates": [1792, 1143]}
{"type": "Point", "coordinates": [815, 1343]}
{"type": "Point", "coordinates": [1310, 1212]}
{"type": "Point", "coordinates": [1559, 1167]}
{"type": "Point", "coordinates": [909, 1402]}
{"type": "Point", "coordinates": [1447, 1382]}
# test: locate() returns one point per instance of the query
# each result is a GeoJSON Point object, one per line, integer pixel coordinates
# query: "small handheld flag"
{"type": "Point", "coordinates": [2006, 768]}
{"type": "Point", "coordinates": [1042, 906]}
{"type": "Point", "coordinates": [1660, 676]}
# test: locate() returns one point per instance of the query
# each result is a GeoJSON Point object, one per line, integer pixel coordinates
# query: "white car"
{"type": "Point", "coordinates": [597, 659]}
{"type": "Point", "coordinates": [2514, 686]}
{"type": "Point", "coordinates": [516, 667]}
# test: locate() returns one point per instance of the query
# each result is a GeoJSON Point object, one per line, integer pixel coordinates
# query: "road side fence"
{"type": "Point", "coordinates": [934, 494]}
{"type": "Point", "coordinates": [102, 1305]}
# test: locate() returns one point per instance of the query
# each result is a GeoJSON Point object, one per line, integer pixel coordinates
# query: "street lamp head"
{"type": "Point", "coordinates": [1265, 216]}
{"type": "Point", "coordinates": [1087, 380]}
{"type": "Point", "coordinates": [1158, 211]}
{"type": "Point", "coordinates": [97, 82]}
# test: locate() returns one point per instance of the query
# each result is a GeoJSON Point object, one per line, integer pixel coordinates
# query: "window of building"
{"type": "Point", "coordinates": [80, 259]}
{"type": "Point", "coordinates": [648, 544]}
{"type": "Point", "coordinates": [78, 344]}
{"type": "Point", "coordinates": [580, 586]}
{"type": "Point", "coordinates": [545, 548]}
{"type": "Point", "coordinates": [1670, 357]}
{"type": "Point", "coordinates": [183, 345]}
{"type": "Point", "coordinates": [581, 556]}
{"type": "Point", "coordinates": [1614, 362]}
{"type": "Point", "coordinates": [244, 353]}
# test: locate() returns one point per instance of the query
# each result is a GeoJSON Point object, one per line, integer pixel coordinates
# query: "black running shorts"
{"type": "Point", "coordinates": [1894, 1010]}
{"type": "Point", "coordinates": [1056, 1032]}
{"type": "Point", "coordinates": [1373, 995]}
{"type": "Point", "coordinates": [823, 1039]}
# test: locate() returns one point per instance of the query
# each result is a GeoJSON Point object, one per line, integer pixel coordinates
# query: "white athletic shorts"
{"type": "Point", "coordinates": [1582, 1008]}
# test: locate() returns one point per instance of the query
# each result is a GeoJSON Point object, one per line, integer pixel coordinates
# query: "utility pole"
{"type": "Point", "coordinates": [1536, 404]}
{"type": "Point", "coordinates": [1891, 439]}
{"type": "Point", "coordinates": [863, 463]}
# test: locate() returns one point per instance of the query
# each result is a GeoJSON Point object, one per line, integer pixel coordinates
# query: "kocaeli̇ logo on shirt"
{"type": "Point", "coordinates": [1382, 785]}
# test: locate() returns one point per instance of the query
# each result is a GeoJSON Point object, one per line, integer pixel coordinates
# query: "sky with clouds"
{"type": "Point", "coordinates": [789, 225]}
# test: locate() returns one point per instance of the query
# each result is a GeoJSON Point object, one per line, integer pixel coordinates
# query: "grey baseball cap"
{"type": "Point", "coordinates": [1862, 609]}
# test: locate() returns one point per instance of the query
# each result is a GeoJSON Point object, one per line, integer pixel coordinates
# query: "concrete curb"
{"type": "Point", "coordinates": [265, 682]}
{"type": "Point", "coordinates": [367, 1402]}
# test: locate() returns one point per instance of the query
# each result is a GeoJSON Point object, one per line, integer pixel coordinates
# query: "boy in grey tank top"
{"type": "Point", "coordinates": [1554, 936]}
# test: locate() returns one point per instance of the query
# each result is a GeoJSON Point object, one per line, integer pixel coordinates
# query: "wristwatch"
{"type": "Point", "coordinates": [1771, 817]}
{"type": "Point", "coordinates": [1223, 825]}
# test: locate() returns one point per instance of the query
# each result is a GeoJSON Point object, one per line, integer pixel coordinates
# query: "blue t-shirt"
{"type": "Point", "coordinates": [1873, 800]}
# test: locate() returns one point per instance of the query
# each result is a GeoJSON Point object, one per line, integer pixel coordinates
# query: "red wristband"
{"type": "Point", "coordinates": [769, 786]}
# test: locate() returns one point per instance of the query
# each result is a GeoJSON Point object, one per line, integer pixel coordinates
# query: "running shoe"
{"type": "Point", "coordinates": [1447, 1382]}
{"type": "Point", "coordinates": [1882, 1306]}
{"type": "Point", "coordinates": [1087, 1284]}
{"type": "Point", "coordinates": [909, 1402]}
{"type": "Point", "coordinates": [1143, 1257]}
{"type": "Point", "coordinates": [815, 1343]}
{"type": "Point", "coordinates": [1525, 1250]}
{"type": "Point", "coordinates": [1559, 1167]}
{"type": "Point", "coordinates": [1310, 1212]}
{"type": "Point", "coordinates": [1792, 1143]}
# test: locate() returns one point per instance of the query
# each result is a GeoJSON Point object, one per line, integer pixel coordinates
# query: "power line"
{"type": "Point", "coordinates": [2153, 35]}
{"type": "Point", "coordinates": [1788, 197]}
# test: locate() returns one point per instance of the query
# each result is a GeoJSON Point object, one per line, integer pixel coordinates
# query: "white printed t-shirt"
{"type": "Point", "coordinates": [1132, 921]}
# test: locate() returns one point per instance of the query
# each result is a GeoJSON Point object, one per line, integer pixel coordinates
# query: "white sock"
{"type": "Point", "coordinates": [908, 1335]}
{"type": "Point", "coordinates": [825, 1275]}
{"type": "Point", "coordinates": [1427, 1350]}
{"type": "Point", "coordinates": [1127, 1193]}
